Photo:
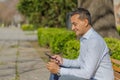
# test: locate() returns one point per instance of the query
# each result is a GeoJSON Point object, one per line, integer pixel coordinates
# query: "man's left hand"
{"type": "Point", "coordinates": [53, 67]}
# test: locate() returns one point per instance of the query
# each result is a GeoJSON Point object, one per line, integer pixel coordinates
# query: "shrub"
{"type": "Point", "coordinates": [71, 49]}
{"type": "Point", "coordinates": [49, 36]}
{"type": "Point", "coordinates": [46, 12]}
{"type": "Point", "coordinates": [45, 35]}
{"type": "Point", "coordinates": [54, 38]}
{"type": "Point", "coordinates": [27, 27]}
{"type": "Point", "coordinates": [59, 41]}
{"type": "Point", "coordinates": [114, 46]}
{"type": "Point", "coordinates": [118, 29]}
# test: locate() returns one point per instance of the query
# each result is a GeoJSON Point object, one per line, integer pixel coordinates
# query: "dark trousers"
{"type": "Point", "coordinates": [53, 77]}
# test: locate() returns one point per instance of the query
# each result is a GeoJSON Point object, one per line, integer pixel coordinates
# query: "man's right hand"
{"type": "Point", "coordinates": [59, 59]}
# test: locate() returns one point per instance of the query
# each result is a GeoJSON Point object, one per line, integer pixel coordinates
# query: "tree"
{"type": "Point", "coordinates": [50, 13]}
{"type": "Point", "coordinates": [103, 19]}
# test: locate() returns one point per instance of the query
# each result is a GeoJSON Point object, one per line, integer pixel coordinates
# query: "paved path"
{"type": "Point", "coordinates": [18, 59]}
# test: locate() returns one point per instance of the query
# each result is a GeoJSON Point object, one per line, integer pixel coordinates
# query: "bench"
{"type": "Point", "coordinates": [116, 68]}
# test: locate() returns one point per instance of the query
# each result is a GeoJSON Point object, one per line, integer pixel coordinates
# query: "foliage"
{"type": "Point", "coordinates": [71, 49]}
{"type": "Point", "coordinates": [27, 27]}
{"type": "Point", "coordinates": [54, 38]}
{"type": "Point", "coordinates": [50, 12]}
{"type": "Point", "coordinates": [114, 46]}
{"type": "Point", "coordinates": [118, 29]}
{"type": "Point", "coordinates": [59, 41]}
{"type": "Point", "coordinates": [46, 35]}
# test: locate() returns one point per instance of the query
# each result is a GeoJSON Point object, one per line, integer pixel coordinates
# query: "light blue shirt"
{"type": "Point", "coordinates": [93, 61]}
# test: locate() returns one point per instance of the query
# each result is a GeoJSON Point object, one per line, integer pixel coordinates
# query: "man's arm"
{"type": "Point", "coordinates": [71, 63]}
{"type": "Point", "coordinates": [67, 62]}
{"type": "Point", "coordinates": [92, 56]}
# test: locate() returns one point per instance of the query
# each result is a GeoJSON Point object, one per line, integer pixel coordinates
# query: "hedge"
{"type": "Point", "coordinates": [64, 42]}
{"type": "Point", "coordinates": [114, 46]}
{"type": "Point", "coordinates": [71, 49]}
{"type": "Point", "coordinates": [27, 27]}
{"type": "Point", "coordinates": [118, 29]}
{"type": "Point", "coordinates": [59, 40]}
{"type": "Point", "coordinates": [47, 35]}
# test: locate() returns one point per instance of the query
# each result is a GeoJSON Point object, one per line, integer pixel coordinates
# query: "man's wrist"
{"type": "Point", "coordinates": [58, 73]}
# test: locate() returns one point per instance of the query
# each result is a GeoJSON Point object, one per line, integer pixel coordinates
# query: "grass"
{"type": "Point", "coordinates": [17, 76]}
{"type": "Point", "coordinates": [2, 63]}
{"type": "Point", "coordinates": [14, 46]}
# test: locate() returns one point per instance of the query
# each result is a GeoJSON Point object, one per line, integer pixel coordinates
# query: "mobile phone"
{"type": "Point", "coordinates": [51, 57]}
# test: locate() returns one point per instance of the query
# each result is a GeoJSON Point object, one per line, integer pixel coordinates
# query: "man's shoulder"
{"type": "Point", "coordinates": [95, 38]}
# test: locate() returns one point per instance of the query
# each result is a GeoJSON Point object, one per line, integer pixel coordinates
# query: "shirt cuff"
{"type": "Point", "coordinates": [64, 71]}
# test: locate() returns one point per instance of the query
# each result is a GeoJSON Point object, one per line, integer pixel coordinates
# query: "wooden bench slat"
{"type": "Point", "coordinates": [117, 75]}
{"type": "Point", "coordinates": [115, 61]}
{"type": "Point", "coordinates": [116, 68]}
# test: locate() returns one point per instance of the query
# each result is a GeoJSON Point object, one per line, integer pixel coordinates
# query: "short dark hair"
{"type": "Point", "coordinates": [84, 14]}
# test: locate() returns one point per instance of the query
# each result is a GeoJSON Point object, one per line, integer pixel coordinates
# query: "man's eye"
{"type": "Point", "coordinates": [75, 24]}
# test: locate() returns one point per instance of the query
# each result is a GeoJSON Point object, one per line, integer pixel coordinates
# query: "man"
{"type": "Point", "coordinates": [93, 62]}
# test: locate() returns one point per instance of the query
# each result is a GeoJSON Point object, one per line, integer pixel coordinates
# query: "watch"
{"type": "Point", "coordinates": [58, 73]}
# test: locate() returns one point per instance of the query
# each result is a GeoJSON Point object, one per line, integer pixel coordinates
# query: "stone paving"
{"type": "Point", "coordinates": [18, 59]}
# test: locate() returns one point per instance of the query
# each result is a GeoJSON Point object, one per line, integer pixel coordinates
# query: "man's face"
{"type": "Point", "coordinates": [79, 26]}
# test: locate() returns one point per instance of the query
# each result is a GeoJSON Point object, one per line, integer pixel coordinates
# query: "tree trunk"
{"type": "Point", "coordinates": [103, 18]}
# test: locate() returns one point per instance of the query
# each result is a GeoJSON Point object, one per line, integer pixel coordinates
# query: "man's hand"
{"type": "Point", "coordinates": [53, 67]}
{"type": "Point", "coordinates": [59, 59]}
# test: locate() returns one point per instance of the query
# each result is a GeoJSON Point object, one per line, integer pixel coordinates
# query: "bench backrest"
{"type": "Point", "coordinates": [116, 68]}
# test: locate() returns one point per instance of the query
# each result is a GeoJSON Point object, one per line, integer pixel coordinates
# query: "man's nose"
{"type": "Point", "coordinates": [73, 27]}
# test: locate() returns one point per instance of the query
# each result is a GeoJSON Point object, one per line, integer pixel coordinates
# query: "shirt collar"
{"type": "Point", "coordinates": [87, 34]}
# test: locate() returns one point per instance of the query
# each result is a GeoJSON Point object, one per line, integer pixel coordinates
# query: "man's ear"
{"type": "Point", "coordinates": [86, 22]}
